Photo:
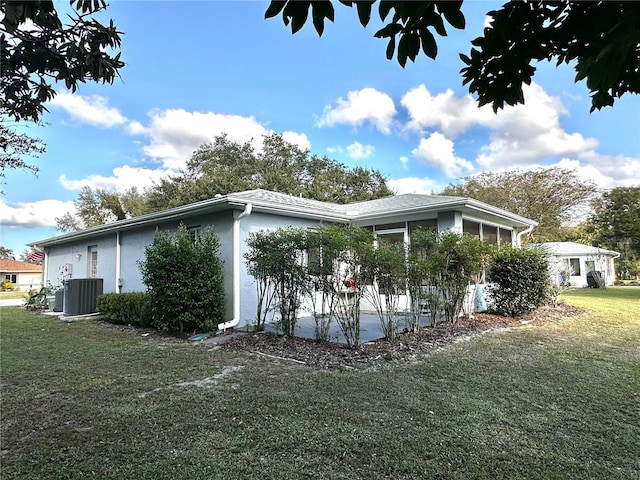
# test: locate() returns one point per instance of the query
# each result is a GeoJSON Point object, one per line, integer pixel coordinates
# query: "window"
{"type": "Point", "coordinates": [433, 223]}
{"type": "Point", "coordinates": [390, 226]}
{"type": "Point", "coordinates": [471, 228]}
{"type": "Point", "coordinates": [92, 259]}
{"type": "Point", "coordinates": [489, 234]}
{"type": "Point", "coordinates": [393, 237]}
{"type": "Point", "coordinates": [12, 277]}
{"type": "Point", "coordinates": [194, 233]}
{"type": "Point", "coordinates": [505, 237]}
{"type": "Point", "coordinates": [574, 266]}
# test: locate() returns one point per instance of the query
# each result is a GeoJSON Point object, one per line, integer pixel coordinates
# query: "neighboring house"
{"type": "Point", "coordinates": [570, 263]}
{"type": "Point", "coordinates": [112, 251]}
{"type": "Point", "coordinates": [23, 275]}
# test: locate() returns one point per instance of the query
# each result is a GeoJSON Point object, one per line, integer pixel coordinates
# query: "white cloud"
{"type": "Point", "coordinates": [335, 149]}
{"type": "Point", "coordinates": [444, 111]}
{"type": "Point", "coordinates": [136, 128]}
{"type": "Point", "coordinates": [173, 135]}
{"type": "Point", "coordinates": [41, 213]}
{"type": "Point", "coordinates": [605, 171]}
{"type": "Point", "coordinates": [123, 179]}
{"type": "Point", "coordinates": [299, 139]}
{"type": "Point", "coordinates": [366, 105]}
{"type": "Point", "coordinates": [520, 135]}
{"type": "Point", "coordinates": [437, 151]}
{"type": "Point", "coordinates": [93, 110]}
{"type": "Point", "coordinates": [531, 132]}
{"type": "Point", "coordinates": [357, 151]}
{"type": "Point", "coordinates": [405, 162]}
{"type": "Point", "coordinates": [414, 185]}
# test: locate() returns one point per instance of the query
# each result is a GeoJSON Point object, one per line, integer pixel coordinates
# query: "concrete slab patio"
{"type": "Point", "coordinates": [370, 328]}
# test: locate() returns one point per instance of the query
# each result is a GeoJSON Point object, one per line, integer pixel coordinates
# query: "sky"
{"type": "Point", "coordinates": [199, 69]}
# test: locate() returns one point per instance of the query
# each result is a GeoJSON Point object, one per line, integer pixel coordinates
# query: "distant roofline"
{"type": "Point", "coordinates": [308, 208]}
{"type": "Point", "coordinates": [600, 250]}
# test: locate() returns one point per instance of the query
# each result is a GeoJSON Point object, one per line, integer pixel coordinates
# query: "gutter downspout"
{"type": "Point", "coordinates": [118, 263]}
{"type": "Point", "coordinates": [519, 235]}
{"type": "Point", "coordinates": [236, 268]}
{"type": "Point", "coordinates": [45, 267]}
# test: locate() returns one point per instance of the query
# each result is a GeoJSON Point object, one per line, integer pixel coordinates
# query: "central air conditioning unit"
{"type": "Point", "coordinates": [81, 295]}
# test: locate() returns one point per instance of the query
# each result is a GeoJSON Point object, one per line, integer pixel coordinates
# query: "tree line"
{"type": "Point", "coordinates": [222, 167]}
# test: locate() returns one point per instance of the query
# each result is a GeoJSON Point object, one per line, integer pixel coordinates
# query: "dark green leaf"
{"type": "Point", "coordinates": [391, 46]}
{"type": "Point", "coordinates": [364, 12]}
{"type": "Point", "coordinates": [402, 50]}
{"type": "Point", "coordinates": [413, 45]}
{"type": "Point", "coordinates": [429, 46]}
{"type": "Point", "coordinates": [275, 7]}
{"type": "Point", "coordinates": [456, 19]}
{"type": "Point", "coordinates": [297, 12]}
{"type": "Point", "coordinates": [384, 8]}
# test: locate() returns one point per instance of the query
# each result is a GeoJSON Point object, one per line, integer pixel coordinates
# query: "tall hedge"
{"type": "Point", "coordinates": [184, 278]}
{"type": "Point", "coordinates": [520, 280]}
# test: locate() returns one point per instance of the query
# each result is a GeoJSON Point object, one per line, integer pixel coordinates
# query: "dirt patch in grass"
{"type": "Point", "coordinates": [406, 346]}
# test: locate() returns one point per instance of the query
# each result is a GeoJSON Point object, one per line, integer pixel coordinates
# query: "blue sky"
{"type": "Point", "coordinates": [198, 69]}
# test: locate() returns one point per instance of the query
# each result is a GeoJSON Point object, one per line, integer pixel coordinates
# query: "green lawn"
{"type": "Point", "coordinates": [561, 401]}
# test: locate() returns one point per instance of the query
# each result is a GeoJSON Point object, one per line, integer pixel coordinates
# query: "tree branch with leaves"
{"type": "Point", "coordinates": [599, 38]}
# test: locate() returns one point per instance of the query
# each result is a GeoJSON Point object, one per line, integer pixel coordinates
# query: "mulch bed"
{"type": "Point", "coordinates": [407, 345]}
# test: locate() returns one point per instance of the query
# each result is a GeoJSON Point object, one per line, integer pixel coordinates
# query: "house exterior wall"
{"type": "Point", "coordinates": [133, 243]}
{"type": "Point", "coordinates": [70, 260]}
{"type": "Point", "coordinates": [257, 222]}
{"type": "Point", "coordinates": [25, 281]}
{"type": "Point", "coordinates": [602, 264]}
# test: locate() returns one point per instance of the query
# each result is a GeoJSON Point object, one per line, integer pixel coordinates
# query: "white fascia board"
{"type": "Point", "coordinates": [149, 218]}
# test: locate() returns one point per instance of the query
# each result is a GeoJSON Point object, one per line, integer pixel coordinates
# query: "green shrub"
{"type": "Point", "coordinates": [441, 267]}
{"type": "Point", "coordinates": [184, 278]}
{"type": "Point", "coordinates": [277, 257]}
{"type": "Point", "coordinates": [520, 279]}
{"type": "Point", "coordinates": [126, 308]}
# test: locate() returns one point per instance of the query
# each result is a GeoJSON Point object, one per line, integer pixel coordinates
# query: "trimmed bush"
{"type": "Point", "coordinates": [184, 278]}
{"type": "Point", "coordinates": [133, 308]}
{"type": "Point", "coordinates": [520, 279]}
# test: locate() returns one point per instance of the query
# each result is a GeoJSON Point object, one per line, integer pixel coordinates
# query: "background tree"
{"type": "Point", "coordinates": [14, 147]}
{"type": "Point", "coordinates": [37, 50]}
{"type": "Point", "coordinates": [99, 206]}
{"type": "Point", "coordinates": [553, 196]}
{"type": "Point", "coordinates": [616, 221]}
{"type": "Point", "coordinates": [605, 53]}
{"type": "Point", "coordinates": [6, 253]}
{"type": "Point", "coordinates": [224, 167]}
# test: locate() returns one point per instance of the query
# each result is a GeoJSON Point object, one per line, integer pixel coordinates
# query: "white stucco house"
{"type": "Point", "coordinates": [570, 263]}
{"type": "Point", "coordinates": [111, 251]}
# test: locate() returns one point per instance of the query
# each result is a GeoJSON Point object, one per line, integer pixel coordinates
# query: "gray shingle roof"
{"type": "Point", "coordinates": [573, 248]}
{"type": "Point", "coordinates": [286, 204]}
{"type": "Point", "coordinates": [399, 203]}
{"type": "Point", "coordinates": [286, 200]}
